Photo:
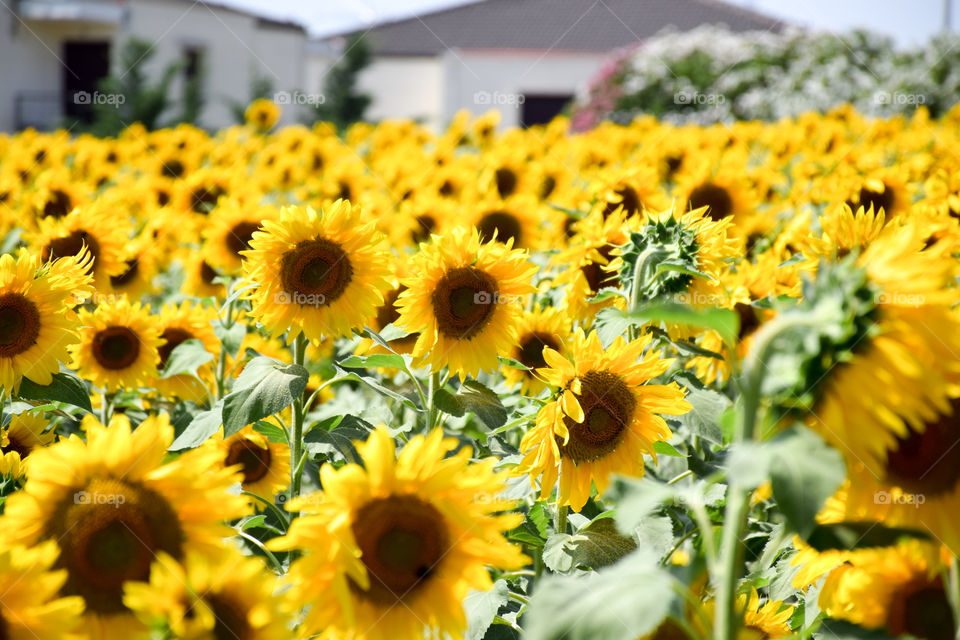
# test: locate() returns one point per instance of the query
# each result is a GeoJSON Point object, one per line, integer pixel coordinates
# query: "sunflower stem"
{"type": "Point", "coordinates": [953, 592]}
{"type": "Point", "coordinates": [296, 440]}
{"type": "Point", "coordinates": [562, 519]}
{"type": "Point", "coordinates": [432, 410]}
{"type": "Point", "coordinates": [104, 408]}
{"type": "Point", "coordinates": [226, 323]}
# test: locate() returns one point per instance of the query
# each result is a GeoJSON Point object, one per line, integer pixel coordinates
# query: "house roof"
{"type": "Point", "coordinates": [565, 25]}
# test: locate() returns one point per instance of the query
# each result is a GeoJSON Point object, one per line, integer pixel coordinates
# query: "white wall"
{"type": "Point", "coordinates": [405, 87]}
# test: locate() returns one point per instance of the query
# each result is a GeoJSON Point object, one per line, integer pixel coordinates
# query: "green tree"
{"type": "Point", "coordinates": [134, 97]}
{"type": "Point", "coordinates": [343, 104]}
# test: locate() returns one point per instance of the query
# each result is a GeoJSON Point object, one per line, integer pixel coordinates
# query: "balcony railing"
{"type": "Point", "coordinates": [88, 11]}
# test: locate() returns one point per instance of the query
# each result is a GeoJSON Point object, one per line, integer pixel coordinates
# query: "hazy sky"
{"type": "Point", "coordinates": [909, 21]}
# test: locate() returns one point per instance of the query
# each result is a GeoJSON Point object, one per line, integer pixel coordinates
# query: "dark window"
{"type": "Point", "coordinates": [193, 62]}
{"type": "Point", "coordinates": [85, 65]}
{"type": "Point", "coordinates": [540, 109]}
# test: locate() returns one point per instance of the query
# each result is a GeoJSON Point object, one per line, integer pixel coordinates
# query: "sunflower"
{"type": "Point", "coordinates": [265, 465]}
{"type": "Point", "coordinates": [464, 300]}
{"type": "Point", "coordinates": [220, 594]}
{"type": "Point", "coordinates": [262, 114]}
{"type": "Point", "coordinates": [31, 606]}
{"type": "Point", "coordinates": [111, 505]}
{"type": "Point", "coordinates": [118, 345]}
{"type": "Point", "coordinates": [603, 418]}
{"type": "Point", "coordinates": [515, 218]}
{"type": "Point", "coordinates": [546, 327]}
{"type": "Point", "coordinates": [418, 532]}
{"type": "Point", "coordinates": [101, 231]}
{"type": "Point", "coordinates": [228, 231]}
{"type": "Point", "coordinates": [37, 323]}
{"type": "Point", "coordinates": [898, 589]}
{"type": "Point", "coordinates": [320, 274]}
{"type": "Point", "coordinates": [26, 432]}
{"type": "Point", "coordinates": [177, 324]}
{"type": "Point", "coordinates": [199, 276]}
{"type": "Point", "coordinates": [141, 266]}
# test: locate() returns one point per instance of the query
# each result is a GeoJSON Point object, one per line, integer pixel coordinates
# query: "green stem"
{"type": "Point", "coordinates": [432, 410]}
{"type": "Point", "coordinates": [273, 559]}
{"type": "Point", "coordinates": [953, 592]}
{"type": "Point", "coordinates": [296, 440]}
{"type": "Point", "coordinates": [105, 408]}
{"type": "Point", "coordinates": [270, 505]}
{"type": "Point", "coordinates": [227, 323]}
{"type": "Point", "coordinates": [562, 519]}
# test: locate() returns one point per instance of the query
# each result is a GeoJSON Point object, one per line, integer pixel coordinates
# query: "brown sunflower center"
{"type": "Point", "coordinates": [388, 314]}
{"type": "Point", "coordinates": [425, 226]}
{"type": "Point", "coordinates": [506, 181]}
{"type": "Point", "coordinates": [207, 273]}
{"type": "Point", "coordinates": [402, 539]}
{"type": "Point", "coordinates": [109, 532]}
{"type": "Point", "coordinates": [316, 272]}
{"type": "Point", "coordinates": [503, 223]}
{"type": "Point", "coordinates": [868, 197]}
{"type": "Point", "coordinates": [231, 618]}
{"type": "Point", "coordinates": [19, 324]}
{"type": "Point", "coordinates": [238, 239]}
{"type": "Point", "coordinates": [14, 444]}
{"type": "Point", "coordinates": [608, 407]}
{"type": "Point", "coordinates": [172, 169]}
{"type": "Point", "coordinates": [547, 186]}
{"type": "Point", "coordinates": [531, 349]}
{"type": "Point", "coordinates": [748, 319]}
{"type": "Point", "coordinates": [595, 273]}
{"type": "Point", "coordinates": [626, 196]}
{"type": "Point", "coordinates": [204, 198]}
{"type": "Point", "coordinates": [714, 196]}
{"type": "Point", "coordinates": [57, 205]}
{"type": "Point", "coordinates": [928, 462]}
{"type": "Point", "coordinates": [128, 276]}
{"type": "Point", "coordinates": [72, 245]}
{"type": "Point", "coordinates": [174, 336]}
{"type": "Point", "coordinates": [921, 609]}
{"type": "Point", "coordinates": [116, 347]}
{"type": "Point", "coordinates": [254, 460]}
{"type": "Point", "coordinates": [463, 302]}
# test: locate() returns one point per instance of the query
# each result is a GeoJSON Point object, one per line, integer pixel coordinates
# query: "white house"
{"type": "Point", "coordinates": [53, 53]}
{"type": "Point", "coordinates": [525, 57]}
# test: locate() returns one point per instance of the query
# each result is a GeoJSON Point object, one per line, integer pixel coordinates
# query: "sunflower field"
{"type": "Point", "coordinates": [646, 381]}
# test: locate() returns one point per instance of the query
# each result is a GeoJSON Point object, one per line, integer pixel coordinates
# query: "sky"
{"type": "Point", "coordinates": [910, 22]}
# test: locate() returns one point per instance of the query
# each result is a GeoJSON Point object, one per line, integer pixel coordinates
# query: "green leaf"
{"type": "Point", "coordinates": [804, 472]}
{"type": "Point", "coordinates": [667, 449]}
{"type": "Point", "coordinates": [386, 360]}
{"type": "Point", "coordinates": [231, 338]}
{"type": "Point", "coordinates": [558, 552]}
{"type": "Point", "coordinates": [481, 608]}
{"type": "Point", "coordinates": [340, 439]}
{"type": "Point", "coordinates": [635, 499]}
{"type": "Point", "coordinates": [448, 403]}
{"type": "Point", "coordinates": [266, 386]}
{"type": "Point", "coordinates": [831, 629]}
{"type": "Point", "coordinates": [513, 364]}
{"type": "Point", "coordinates": [186, 358]}
{"type": "Point", "coordinates": [203, 425]}
{"type": "Point", "coordinates": [599, 544]}
{"type": "Point", "coordinates": [623, 602]}
{"type": "Point", "coordinates": [704, 418]}
{"type": "Point", "coordinates": [723, 321]}
{"type": "Point", "coordinates": [859, 535]}
{"type": "Point", "coordinates": [479, 400]}
{"type": "Point", "coordinates": [272, 432]}
{"type": "Point", "coordinates": [253, 522]}
{"type": "Point", "coordinates": [655, 533]}
{"type": "Point", "coordinates": [679, 267]}
{"type": "Point", "coordinates": [65, 387]}
{"type": "Point", "coordinates": [376, 386]}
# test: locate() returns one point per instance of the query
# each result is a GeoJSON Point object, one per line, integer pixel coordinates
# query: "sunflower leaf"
{"type": "Point", "coordinates": [622, 602]}
{"type": "Point", "coordinates": [230, 338]}
{"type": "Point", "coordinates": [376, 386]}
{"type": "Point", "coordinates": [65, 387]}
{"type": "Point", "coordinates": [203, 425]}
{"type": "Point", "coordinates": [599, 544]}
{"type": "Point", "coordinates": [186, 358]}
{"type": "Point", "coordinates": [833, 629]}
{"type": "Point", "coordinates": [271, 432]}
{"type": "Point", "coordinates": [667, 449]}
{"type": "Point", "coordinates": [804, 472]}
{"type": "Point", "coordinates": [859, 535]}
{"type": "Point", "coordinates": [386, 360]}
{"type": "Point", "coordinates": [482, 607]}
{"type": "Point", "coordinates": [448, 403]}
{"type": "Point", "coordinates": [704, 418]}
{"type": "Point", "coordinates": [340, 439]}
{"type": "Point", "coordinates": [266, 386]}
{"type": "Point", "coordinates": [478, 399]}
